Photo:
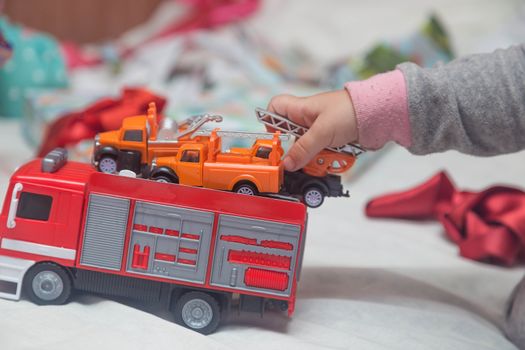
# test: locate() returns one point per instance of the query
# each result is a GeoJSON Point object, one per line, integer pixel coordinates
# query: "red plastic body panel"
{"type": "Point", "coordinates": [61, 230]}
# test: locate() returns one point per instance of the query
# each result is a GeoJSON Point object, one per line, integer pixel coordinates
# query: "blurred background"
{"type": "Point", "coordinates": [61, 57]}
{"type": "Point", "coordinates": [72, 68]}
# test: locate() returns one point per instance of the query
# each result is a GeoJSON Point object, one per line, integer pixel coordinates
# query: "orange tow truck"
{"type": "Point", "coordinates": [140, 140]}
{"type": "Point", "coordinates": [253, 170]}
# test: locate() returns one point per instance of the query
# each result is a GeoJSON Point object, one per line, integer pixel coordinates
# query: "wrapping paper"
{"type": "Point", "coordinates": [488, 225]}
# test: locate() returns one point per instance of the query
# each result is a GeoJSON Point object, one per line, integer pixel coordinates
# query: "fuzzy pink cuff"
{"type": "Point", "coordinates": [381, 107]}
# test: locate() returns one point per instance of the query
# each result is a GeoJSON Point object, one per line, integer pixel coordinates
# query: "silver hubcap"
{"type": "Point", "coordinates": [313, 197]}
{"type": "Point", "coordinates": [245, 190]}
{"type": "Point", "coordinates": [162, 180]}
{"type": "Point", "coordinates": [108, 165]}
{"type": "Point", "coordinates": [197, 313]}
{"type": "Point", "coordinates": [47, 285]}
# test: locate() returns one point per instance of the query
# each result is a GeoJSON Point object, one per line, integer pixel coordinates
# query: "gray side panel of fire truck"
{"type": "Point", "coordinates": [231, 274]}
{"type": "Point", "coordinates": [105, 232]}
{"type": "Point", "coordinates": [174, 243]}
{"type": "Point", "coordinates": [188, 245]}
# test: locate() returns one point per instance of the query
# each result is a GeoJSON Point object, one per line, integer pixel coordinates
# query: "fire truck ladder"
{"type": "Point", "coordinates": [285, 125]}
{"type": "Point", "coordinates": [244, 135]}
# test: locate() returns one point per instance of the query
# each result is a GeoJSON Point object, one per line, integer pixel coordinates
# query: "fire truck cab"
{"type": "Point", "coordinates": [65, 226]}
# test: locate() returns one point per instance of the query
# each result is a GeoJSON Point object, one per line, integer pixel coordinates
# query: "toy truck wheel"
{"type": "Point", "coordinates": [47, 284]}
{"type": "Point", "coordinates": [198, 311]}
{"type": "Point", "coordinates": [166, 179]}
{"type": "Point", "coordinates": [246, 188]}
{"type": "Point", "coordinates": [107, 164]}
{"type": "Point", "coordinates": [313, 196]}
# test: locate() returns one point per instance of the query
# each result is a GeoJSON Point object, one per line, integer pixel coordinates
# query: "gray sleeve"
{"type": "Point", "coordinates": [474, 104]}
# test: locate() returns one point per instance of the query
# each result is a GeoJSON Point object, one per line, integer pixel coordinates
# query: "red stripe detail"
{"type": "Point", "coordinates": [190, 236]}
{"type": "Point", "coordinates": [253, 241]}
{"type": "Point", "coordinates": [239, 239]}
{"type": "Point", "coordinates": [165, 257]}
{"type": "Point", "coordinates": [187, 250]}
{"type": "Point", "coordinates": [172, 232]}
{"type": "Point", "coordinates": [276, 245]}
{"type": "Point", "coordinates": [139, 227]}
{"type": "Point", "coordinates": [266, 279]}
{"type": "Point", "coordinates": [187, 261]}
{"type": "Point", "coordinates": [156, 230]}
{"type": "Point", "coordinates": [261, 259]}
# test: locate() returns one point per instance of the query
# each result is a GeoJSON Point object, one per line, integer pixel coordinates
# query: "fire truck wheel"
{"type": "Point", "coordinates": [198, 311]}
{"type": "Point", "coordinates": [245, 188]}
{"type": "Point", "coordinates": [47, 284]}
{"type": "Point", "coordinates": [107, 164]}
{"type": "Point", "coordinates": [313, 197]}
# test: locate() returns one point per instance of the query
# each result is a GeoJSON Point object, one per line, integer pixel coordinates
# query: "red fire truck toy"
{"type": "Point", "coordinates": [65, 226]}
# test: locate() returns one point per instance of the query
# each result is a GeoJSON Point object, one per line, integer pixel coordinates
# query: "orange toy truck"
{"type": "Point", "coordinates": [140, 140]}
{"type": "Point", "coordinates": [186, 155]}
{"type": "Point", "coordinates": [253, 170]}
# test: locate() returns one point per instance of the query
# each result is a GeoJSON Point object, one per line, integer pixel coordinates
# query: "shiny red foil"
{"type": "Point", "coordinates": [104, 115]}
{"type": "Point", "coordinates": [487, 226]}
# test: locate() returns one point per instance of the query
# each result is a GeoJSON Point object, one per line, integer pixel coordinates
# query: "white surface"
{"type": "Point", "coordinates": [40, 249]}
{"type": "Point", "coordinates": [366, 284]}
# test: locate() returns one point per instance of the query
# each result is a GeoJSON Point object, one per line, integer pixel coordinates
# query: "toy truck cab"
{"type": "Point", "coordinates": [127, 147]}
{"type": "Point", "coordinates": [243, 170]}
{"type": "Point", "coordinates": [40, 217]}
{"type": "Point", "coordinates": [140, 140]}
{"type": "Point", "coordinates": [184, 168]}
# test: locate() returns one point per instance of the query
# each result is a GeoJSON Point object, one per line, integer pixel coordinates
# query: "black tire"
{"type": "Point", "coordinates": [165, 178]}
{"type": "Point", "coordinates": [198, 311]}
{"type": "Point", "coordinates": [104, 163]}
{"type": "Point", "coordinates": [246, 188]}
{"type": "Point", "coordinates": [313, 196]}
{"type": "Point", "coordinates": [48, 284]}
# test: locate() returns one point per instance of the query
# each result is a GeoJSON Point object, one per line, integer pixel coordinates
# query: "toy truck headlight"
{"type": "Point", "coordinates": [96, 142]}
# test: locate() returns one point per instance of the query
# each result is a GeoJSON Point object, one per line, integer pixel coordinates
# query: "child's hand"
{"type": "Point", "coordinates": [329, 116]}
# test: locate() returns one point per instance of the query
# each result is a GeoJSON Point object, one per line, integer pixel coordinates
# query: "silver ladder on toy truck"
{"type": "Point", "coordinates": [319, 178]}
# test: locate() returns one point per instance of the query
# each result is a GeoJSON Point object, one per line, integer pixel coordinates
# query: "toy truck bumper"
{"type": "Point", "coordinates": [12, 271]}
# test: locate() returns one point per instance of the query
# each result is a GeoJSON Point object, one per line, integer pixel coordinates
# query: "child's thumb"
{"type": "Point", "coordinates": [305, 148]}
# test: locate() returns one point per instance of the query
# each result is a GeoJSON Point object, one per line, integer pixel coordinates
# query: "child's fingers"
{"type": "Point", "coordinates": [306, 147]}
{"type": "Point", "coordinates": [300, 110]}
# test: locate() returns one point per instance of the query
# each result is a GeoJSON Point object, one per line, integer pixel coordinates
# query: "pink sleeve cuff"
{"type": "Point", "coordinates": [381, 108]}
